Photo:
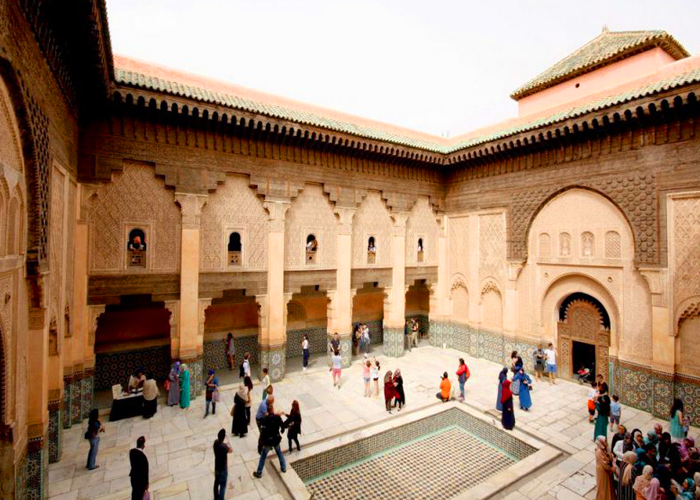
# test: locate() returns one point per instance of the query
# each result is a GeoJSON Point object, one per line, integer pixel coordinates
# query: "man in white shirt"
{"type": "Point", "coordinates": [551, 367]}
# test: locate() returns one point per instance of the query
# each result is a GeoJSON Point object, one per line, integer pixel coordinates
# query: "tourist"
{"type": "Point", "coordinates": [260, 415]}
{"type": "Point", "coordinates": [507, 413]}
{"type": "Point", "coordinates": [356, 338]}
{"type": "Point", "coordinates": [184, 387]}
{"type": "Point", "coordinates": [211, 392]}
{"type": "Point", "coordinates": [398, 383]}
{"type": "Point", "coordinates": [638, 439]}
{"type": "Point", "coordinates": [525, 383]}
{"type": "Point", "coordinates": [136, 380]}
{"type": "Point", "coordinates": [445, 389]}
{"type": "Point", "coordinates": [654, 491]}
{"type": "Point", "coordinates": [336, 367]}
{"type": "Point", "coordinates": [676, 424]}
{"type": "Point", "coordinates": [150, 397]}
{"type": "Point", "coordinates": [642, 482]}
{"type": "Point", "coordinates": [270, 439]}
{"type": "Point", "coordinates": [248, 382]}
{"type": "Point", "coordinates": [622, 446]}
{"type": "Point", "coordinates": [293, 426]}
{"type": "Point", "coordinates": [592, 395]}
{"type": "Point", "coordinates": [389, 390]}
{"type": "Point", "coordinates": [366, 363]}
{"type": "Point", "coordinates": [265, 382]}
{"type": "Point", "coordinates": [462, 376]}
{"type": "Point", "coordinates": [615, 411]}
{"type": "Point", "coordinates": [334, 344]}
{"type": "Point", "coordinates": [221, 451]}
{"type": "Point", "coordinates": [551, 367]}
{"type": "Point", "coordinates": [620, 435]}
{"type": "Point", "coordinates": [139, 470]}
{"type": "Point", "coordinates": [305, 351]}
{"type": "Point", "coordinates": [375, 376]}
{"type": "Point", "coordinates": [627, 477]}
{"type": "Point", "coordinates": [245, 367]}
{"type": "Point", "coordinates": [501, 377]}
{"type": "Point", "coordinates": [516, 362]}
{"type": "Point", "coordinates": [413, 339]}
{"type": "Point", "coordinates": [367, 338]}
{"type": "Point", "coordinates": [230, 347]}
{"type": "Point", "coordinates": [603, 470]}
{"type": "Point", "coordinates": [93, 435]}
{"type": "Point", "coordinates": [239, 424]}
{"type": "Point", "coordinates": [539, 357]}
{"type": "Point", "coordinates": [174, 385]}
{"type": "Point", "coordinates": [602, 406]}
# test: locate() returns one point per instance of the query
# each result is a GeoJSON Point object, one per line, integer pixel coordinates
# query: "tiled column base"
{"type": "Point", "coordinates": [273, 358]}
{"type": "Point", "coordinates": [196, 377]}
{"type": "Point", "coordinates": [346, 350]}
{"type": "Point", "coordinates": [76, 398]}
{"type": "Point", "coordinates": [394, 342]}
{"type": "Point", "coordinates": [20, 476]}
{"type": "Point", "coordinates": [86, 385]}
{"type": "Point", "coordinates": [65, 414]}
{"type": "Point", "coordinates": [55, 430]}
{"type": "Point", "coordinates": [37, 469]}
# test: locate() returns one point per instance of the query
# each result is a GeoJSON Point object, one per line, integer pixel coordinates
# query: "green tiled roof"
{"type": "Point", "coordinates": [152, 83]}
{"type": "Point", "coordinates": [605, 48]}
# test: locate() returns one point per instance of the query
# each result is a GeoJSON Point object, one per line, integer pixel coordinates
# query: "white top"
{"type": "Point", "coordinates": [592, 393]}
{"type": "Point", "coordinates": [375, 372]}
{"type": "Point", "coordinates": [337, 361]}
{"type": "Point", "coordinates": [551, 356]}
{"type": "Point", "coordinates": [305, 344]}
{"type": "Point", "coordinates": [246, 368]}
{"type": "Point", "coordinates": [617, 450]}
{"type": "Point", "coordinates": [265, 382]}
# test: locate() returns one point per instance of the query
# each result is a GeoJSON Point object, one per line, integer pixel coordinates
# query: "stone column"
{"type": "Point", "coordinates": [190, 342]}
{"type": "Point", "coordinates": [274, 336]}
{"type": "Point", "coordinates": [87, 381]}
{"type": "Point", "coordinates": [510, 300]}
{"type": "Point", "coordinates": [343, 307]}
{"type": "Point", "coordinates": [174, 307]}
{"type": "Point", "coordinates": [333, 314]}
{"type": "Point", "coordinates": [395, 306]}
{"type": "Point", "coordinates": [55, 425]}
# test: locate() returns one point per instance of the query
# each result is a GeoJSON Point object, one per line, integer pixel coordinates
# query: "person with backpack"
{"type": "Point", "coordinates": [462, 376]}
{"type": "Point", "coordinates": [270, 428]}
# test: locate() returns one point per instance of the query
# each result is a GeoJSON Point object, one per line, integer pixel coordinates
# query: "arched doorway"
{"type": "Point", "coordinates": [583, 333]}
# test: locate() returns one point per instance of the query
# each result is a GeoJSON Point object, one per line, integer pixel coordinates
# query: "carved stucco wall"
{"type": "Point", "coordinates": [70, 260]}
{"type": "Point", "coordinates": [233, 207]}
{"type": "Point", "coordinates": [422, 223]}
{"type": "Point", "coordinates": [58, 197]}
{"type": "Point", "coordinates": [135, 197]}
{"type": "Point", "coordinates": [686, 248]}
{"type": "Point", "coordinates": [688, 347]}
{"type": "Point", "coordinates": [372, 219]}
{"type": "Point", "coordinates": [458, 245]}
{"type": "Point", "coordinates": [10, 151]}
{"type": "Point", "coordinates": [310, 213]}
{"type": "Point", "coordinates": [492, 246]}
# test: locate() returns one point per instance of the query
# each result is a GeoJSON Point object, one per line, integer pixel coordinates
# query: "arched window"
{"type": "Point", "coordinates": [371, 251]}
{"type": "Point", "coordinates": [613, 245]}
{"type": "Point", "coordinates": [136, 248]}
{"type": "Point", "coordinates": [311, 249]}
{"type": "Point", "coordinates": [419, 256]}
{"type": "Point", "coordinates": [235, 247]}
{"type": "Point", "coordinates": [587, 244]}
{"type": "Point", "coordinates": [545, 245]}
{"type": "Point", "coordinates": [564, 244]}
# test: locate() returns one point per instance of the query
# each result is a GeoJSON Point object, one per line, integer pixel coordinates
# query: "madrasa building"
{"type": "Point", "coordinates": [145, 213]}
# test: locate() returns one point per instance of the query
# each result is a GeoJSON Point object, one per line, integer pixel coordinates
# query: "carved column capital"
{"type": "Point", "coordinates": [276, 213]}
{"type": "Point", "coordinates": [87, 193]}
{"type": "Point", "coordinates": [657, 279]}
{"type": "Point", "coordinates": [261, 300]}
{"type": "Point", "coordinates": [94, 312]}
{"type": "Point", "coordinates": [191, 206]}
{"type": "Point", "coordinates": [345, 215]}
{"type": "Point", "coordinates": [399, 219]}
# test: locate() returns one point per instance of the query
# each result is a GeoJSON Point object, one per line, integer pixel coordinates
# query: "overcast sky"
{"type": "Point", "coordinates": [441, 66]}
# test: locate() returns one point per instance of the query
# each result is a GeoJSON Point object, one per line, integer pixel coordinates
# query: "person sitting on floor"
{"type": "Point", "coordinates": [445, 389]}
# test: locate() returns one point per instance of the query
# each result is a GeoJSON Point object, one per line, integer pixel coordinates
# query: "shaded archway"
{"type": "Point", "coordinates": [368, 309]}
{"type": "Point", "coordinates": [307, 314]}
{"type": "Point", "coordinates": [418, 306]}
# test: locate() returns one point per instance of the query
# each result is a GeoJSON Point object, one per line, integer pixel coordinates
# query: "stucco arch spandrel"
{"type": "Point", "coordinates": [458, 280]}
{"type": "Point", "coordinates": [489, 284]}
{"type": "Point", "coordinates": [688, 308]}
{"type": "Point", "coordinates": [567, 284]}
{"type": "Point", "coordinates": [634, 195]}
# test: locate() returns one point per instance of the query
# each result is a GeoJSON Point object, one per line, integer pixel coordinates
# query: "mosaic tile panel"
{"type": "Point", "coordinates": [662, 396]}
{"type": "Point", "coordinates": [688, 389]}
{"type": "Point", "coordinates": [274, 360]}
{"type": "Point", "coordinates": [116, 367]}
{"type": "Point", "coordinates": [394, 342]}
{"type": "Point", "coordinates": [196, 378]}
{"type": "Point", "coordinates": [86, 388]}
{"type": "Point", "coordinates": [323, 463]}
{"type": "Point", "coordinates": [424, 321]}
{"type": "Point", "coordinates": [215, 353]}
{"type": "Point", "coordinates": [37, 470]}
{"type": "Point", "coordinates": [55, 431]}
{"type": "Point", "coordinates": [76, 405]}
{"type": "Point", "coordinates": [318, 341]}
{"type": "Point", "coordinates": [66, 413]}
{"type": "Point", "coordinates": [421, 463]}
{"type": "Point", "coordinates": [376, 330]}
{"type": "Point", "coordinates": [21, 477]}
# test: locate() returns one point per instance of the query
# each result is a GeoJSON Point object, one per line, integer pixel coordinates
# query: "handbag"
{"type": "Point", "coordinates": [166, 384]}
{"type": "Point", "coordinates": [146, 495]}
{"type": "Point", "coordinates": [216, 397]}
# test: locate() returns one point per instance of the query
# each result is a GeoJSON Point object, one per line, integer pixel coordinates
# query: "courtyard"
{"type": "Point", "coordinates": [179, 442]}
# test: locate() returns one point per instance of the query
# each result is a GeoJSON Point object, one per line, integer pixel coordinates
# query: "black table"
{"type": "Point", "coordinates": [126, 407]}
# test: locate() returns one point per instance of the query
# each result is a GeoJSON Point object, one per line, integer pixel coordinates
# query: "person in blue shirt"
{"type": "Point", "coordinates": [525, 386]}
{"type": "Point", "coordinates": [260, 415]}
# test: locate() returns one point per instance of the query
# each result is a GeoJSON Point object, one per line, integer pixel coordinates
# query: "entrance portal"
{"type": "Point", "coordinates": [583, 334]}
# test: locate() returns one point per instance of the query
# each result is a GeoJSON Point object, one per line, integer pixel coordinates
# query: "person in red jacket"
{"type": "Point", "coordinates": [389, 390]}
{"type": "Point", "coordinates": [462, 376]}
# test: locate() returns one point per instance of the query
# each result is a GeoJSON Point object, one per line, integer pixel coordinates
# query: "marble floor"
{"type": "Point", "coordinates": [179, 442]}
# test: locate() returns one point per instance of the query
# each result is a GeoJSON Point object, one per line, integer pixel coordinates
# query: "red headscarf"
{"type": "Point", "coordinates": [506, 393]}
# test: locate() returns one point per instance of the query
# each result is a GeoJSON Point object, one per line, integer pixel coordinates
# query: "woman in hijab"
{"type": "Point", "coordinates": [525, 385]}
{"type": "Point", "coordinates": [398, 383]}
{"type": "Point", "coordinates": [654, 491]}
{"type": "Point", "coordinates": [507, 414]}
{"type": "Point", "coordinates": [602, 406]}
{"type": "Point", "coordinates": [642, 482]}
{"type": "Point", "coordinates": [603, 470]}
{"type": "Point", "coordinates": [652, 438]}
{"type": "Point", "coordinates": [638, 439]}
{"type": "Point", "coordinates": [239, 426]}
{"type": "Point", "coordinates": [688, 492]}
{"type": "Point", "coordinates": [174, 389]}
{"type": "Point", "coordinates": [389, 390]}
{"type": "Point", "coordinates": [685, 447]}
{"type": "Point", "coordinates": [628, 475]}
{"type": "Point", "coordinates": [184, 386]}
{"type": "Point", "coordinates": [501, 377]}
{"type": "Point", "coordinates": [622, 446]}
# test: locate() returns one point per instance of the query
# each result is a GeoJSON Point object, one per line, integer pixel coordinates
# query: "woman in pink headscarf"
{"type": "Point", "coordinates": [654, 491]}
{"type": "Point", "coordinates": [603, 470]}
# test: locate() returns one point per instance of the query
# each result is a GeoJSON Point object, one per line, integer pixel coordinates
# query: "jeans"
{"type": "Point", "coordinates": [306, 358]}
{"type": "Point", "coordinates": [92, 455]}
{"type": "Point", "coordinates": [220, 480]}
{"type": "Point", "coordinates": [213, 406]}
{"type": "Point", "coordinates": [461, 388]}
{"type": "Point", "coordinates": [263, 456]}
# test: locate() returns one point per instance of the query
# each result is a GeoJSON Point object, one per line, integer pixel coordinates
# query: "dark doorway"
{"type": "Point", "coordinates": [583, 355]}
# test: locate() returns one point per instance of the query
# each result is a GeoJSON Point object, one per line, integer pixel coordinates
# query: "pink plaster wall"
{"type": "Point", "coordinates": [612, 75]}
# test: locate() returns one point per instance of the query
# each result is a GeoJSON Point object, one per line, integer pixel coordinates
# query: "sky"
{"type": "Point", "coordinates": [445, 67]}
